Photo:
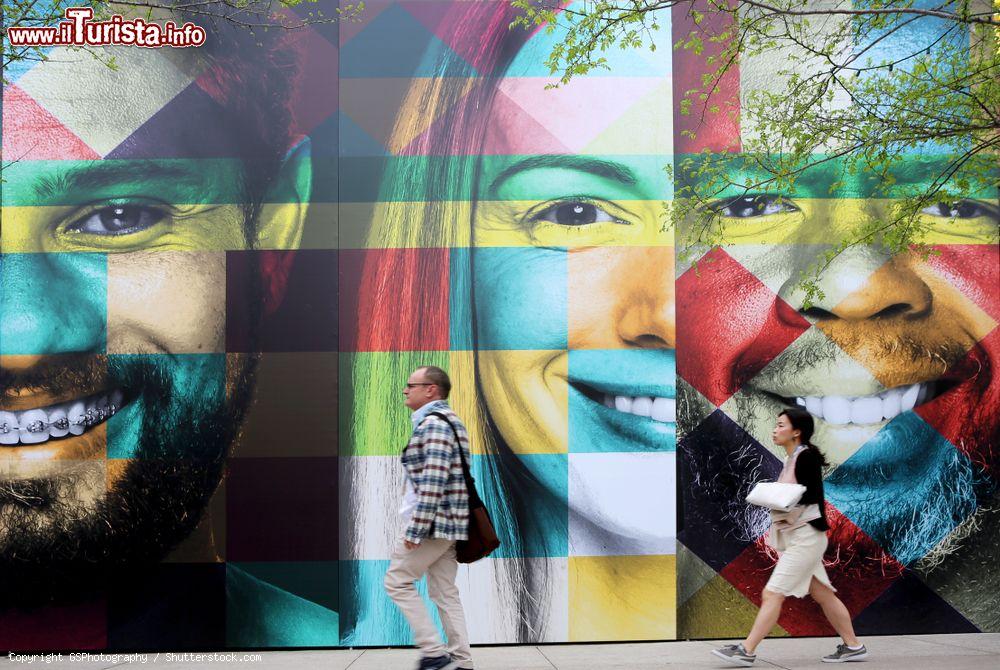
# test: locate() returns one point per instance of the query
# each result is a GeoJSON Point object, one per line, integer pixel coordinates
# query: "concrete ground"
{"type": "Point", "coordinates": [909, 652]}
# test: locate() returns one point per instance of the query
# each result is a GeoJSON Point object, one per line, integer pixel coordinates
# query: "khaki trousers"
{"type": "Point", "coordinates": [436, 559]}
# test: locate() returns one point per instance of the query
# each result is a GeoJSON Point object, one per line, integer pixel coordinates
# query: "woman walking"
{"type": "Point", "coordinates": [799, 536]}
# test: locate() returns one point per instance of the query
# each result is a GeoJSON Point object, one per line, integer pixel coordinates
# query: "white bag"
{"type": "Point", "coordinates": [778, 496]}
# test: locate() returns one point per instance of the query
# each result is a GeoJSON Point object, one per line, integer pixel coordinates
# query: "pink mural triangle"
{"type": "Point", "coordinates": [578, 112]}
{"type": "Point", "coordinates": [530, 138]}
{"type": "Point", "coordinates": [30, 132]}
{"type": "Point", "coordinates": [450, 21]}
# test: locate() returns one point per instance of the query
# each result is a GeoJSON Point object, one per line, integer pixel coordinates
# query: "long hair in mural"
{"type": "Point", "coordinates": [212, 294]}
{"type": "Point", "coordinates": [517, 239]}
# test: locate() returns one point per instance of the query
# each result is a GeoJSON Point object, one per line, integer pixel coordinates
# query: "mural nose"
{"type": "Point", "coordinates": [864, 284]}
{"type": "Point", "coordinates": [647, 299]}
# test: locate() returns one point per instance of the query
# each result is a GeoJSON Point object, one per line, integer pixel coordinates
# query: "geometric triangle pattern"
{"type": "Point", "coordinates": [895, 360]}
{"type": "Point", "coordinates": [60, 87]}
{"type": "Point", "coordinates": [532, 138]}
{"type": "Point", "coordinates": [568, 111]}
{"type": "Point", "coordinates": [449, 22]}
{"type": "Point", "coordinates": [718, 448]}
{"type": "Point", "coordinates": [354, 141]}
{"type": "Point", "coordinates": [962, 416]}
{"type": "Point", "coordinates": [372, 104]}
{"type": "Point", "coordinates": [30, 132]}
{"type": "Point", "coordinates": [646, 113]}
{"type": "Point", "coordinates": [413, 51]}
{"type": "Point", "coordinates": [908, 607]}
{"type": "Point", "coordinates": [185, 253]}
{"type": "Point", "coordinates": [313, 98]}
{"type": "Point", "coordinates": [169, 133]}
{"type": "Point", "coordinates": [747, 332]}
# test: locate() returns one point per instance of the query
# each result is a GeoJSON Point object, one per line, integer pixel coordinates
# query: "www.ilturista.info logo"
{"type": "Point", "coordinates": [79, 29]}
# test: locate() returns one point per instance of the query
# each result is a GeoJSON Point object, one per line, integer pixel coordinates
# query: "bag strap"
{"type": "Point", "coordinates": [470, 482]}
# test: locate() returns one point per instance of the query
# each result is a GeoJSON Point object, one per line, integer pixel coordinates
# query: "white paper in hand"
{"type": "Point", "coordinates": [776, 495]}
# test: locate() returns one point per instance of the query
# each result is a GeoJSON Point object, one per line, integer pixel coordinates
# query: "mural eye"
{"type": "Point", "coordinates": [752, 205]}
{"type": "Point", "coordinates": [118, 220]}
{"type": "Point", "coordinates": [960, 209]}
{"type": "Point", "coordinates": [575, 213]}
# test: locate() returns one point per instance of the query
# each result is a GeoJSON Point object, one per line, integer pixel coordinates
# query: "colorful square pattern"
{"type": "Point", "coordinates": [219, 266]}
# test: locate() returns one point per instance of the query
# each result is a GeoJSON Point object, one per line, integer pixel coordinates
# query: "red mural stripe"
{"type": "Point", "coordinates": [394, 300]}
{"type": "Point", "coordinates": [974, 269]}
{"type": "Point", "coordinates": [714, 131]}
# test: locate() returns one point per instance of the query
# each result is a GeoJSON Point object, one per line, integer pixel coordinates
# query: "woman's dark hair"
{"type": "Point", "coordinates": [803, 422]}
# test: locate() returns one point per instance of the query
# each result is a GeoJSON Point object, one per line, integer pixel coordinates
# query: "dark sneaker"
{"type": "Point", "coordinates": [442, 662]}
{"type": "Point", "coordinates": [735, 654]}
{"type": "Point", "coordinates": [845, 654]}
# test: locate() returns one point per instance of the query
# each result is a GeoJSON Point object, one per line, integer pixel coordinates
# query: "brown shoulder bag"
{"type": "Point", "coordinates": [483, 538]}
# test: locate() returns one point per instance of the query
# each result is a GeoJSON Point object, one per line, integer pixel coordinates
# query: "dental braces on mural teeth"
{"type": "Point", "coordinates": [102, 410]}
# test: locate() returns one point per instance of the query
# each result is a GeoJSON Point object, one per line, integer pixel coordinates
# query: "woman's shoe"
{"type": "Point", "coordinates": [735, 654]}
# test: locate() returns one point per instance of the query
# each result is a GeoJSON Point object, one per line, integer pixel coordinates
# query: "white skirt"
{"type": "Point", "coordinates": [800, 559]}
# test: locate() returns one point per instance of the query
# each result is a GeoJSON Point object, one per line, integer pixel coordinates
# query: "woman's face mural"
{"type": "Point", "coordinates": [549, 209]}
{"type": "Point", "coordinates": [573, 290]}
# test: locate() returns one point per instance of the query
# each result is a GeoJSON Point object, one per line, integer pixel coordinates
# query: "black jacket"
{"type": "Point", "coordinates": [809, 473]}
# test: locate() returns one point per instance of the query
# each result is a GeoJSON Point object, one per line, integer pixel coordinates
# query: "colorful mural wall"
{"type": "Point", "coordinates": [169, 259]}
{"type": "Point", "coordinates": [219, 265]}
{"type": "Point", "coordinates": [895, 362]}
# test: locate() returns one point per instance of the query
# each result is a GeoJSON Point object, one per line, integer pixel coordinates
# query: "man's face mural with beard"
{"type": "Point", "coordinates": [130, 476]}
{"type": "Point", "coordinates": [151, 213]}
{"type": "Point", "coordinates": [897, 362]}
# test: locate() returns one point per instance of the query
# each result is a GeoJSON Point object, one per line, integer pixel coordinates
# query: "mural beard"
{"type": "Point", "coordinates": [57, 546]}
{"type": "Point", "coordinates": [908, 506]}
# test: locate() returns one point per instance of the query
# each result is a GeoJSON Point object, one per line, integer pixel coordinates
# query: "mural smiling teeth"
{"type": "Point", "coordinates": [840, 410]}
{"type": "Point", "coordinates": [663, 410]}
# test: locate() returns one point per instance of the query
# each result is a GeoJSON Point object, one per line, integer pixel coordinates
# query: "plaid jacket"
{"type": "Point", "coordinates": [435, 469]}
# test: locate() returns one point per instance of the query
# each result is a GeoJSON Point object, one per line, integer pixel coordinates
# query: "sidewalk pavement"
{"type": "Point", "coordinates": [901, 652]}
